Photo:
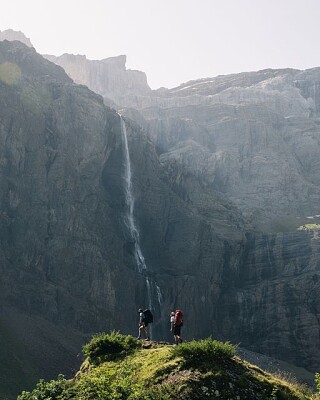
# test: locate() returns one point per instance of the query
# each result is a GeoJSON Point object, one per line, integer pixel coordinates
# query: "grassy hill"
{"type": "Point", "coordinates": [121, 367]}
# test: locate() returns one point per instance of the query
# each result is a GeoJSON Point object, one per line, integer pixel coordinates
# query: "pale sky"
{"type": "Point", "coordinates": [174, 41]}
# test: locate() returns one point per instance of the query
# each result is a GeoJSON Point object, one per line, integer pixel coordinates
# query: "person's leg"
{"type": "Point", "coordinates": [178, 334]}
{"type": "Point", "coordinates": [140, 331]}
{"type": "Point", "coordinates": [146, 332]}
{"type": "Point", "coordinates": [175, 334]}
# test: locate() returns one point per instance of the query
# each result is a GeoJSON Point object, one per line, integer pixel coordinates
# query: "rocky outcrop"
{"type": "Point", "coordinates": [191, 371]}
{"type": "Point", "coordinates": [11, 35]}
{"type": "Point", "coordinates": [108, 77]}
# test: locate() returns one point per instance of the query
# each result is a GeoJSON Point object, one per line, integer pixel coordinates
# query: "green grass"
{"type": "Point", "coordinates": [107, 347]}
{"type": "Point", "coordinates": [204, 352]}
{"type": "Point", "coordinates": [191, 371]}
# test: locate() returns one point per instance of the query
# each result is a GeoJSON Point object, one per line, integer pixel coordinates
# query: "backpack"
{"type": "Point", "coordinates": [147, 316]}
{"type": "Point", "coordinates": [178, 318]}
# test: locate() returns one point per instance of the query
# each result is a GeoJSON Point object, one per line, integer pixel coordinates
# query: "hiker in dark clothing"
{"type": "Point", "coordinates": [143, 325]}
{"type": "Point", "coordinates": [178, 323]}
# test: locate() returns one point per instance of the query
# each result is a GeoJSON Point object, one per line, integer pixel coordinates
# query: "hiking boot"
{"type": "Point", "coordinates": [147, 339]}
{"type": "Point", "coordinates": [139, 337]}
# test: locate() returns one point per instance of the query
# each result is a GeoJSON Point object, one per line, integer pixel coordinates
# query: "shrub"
{"type": "Point", "coordinates": [46, 390]}
{"type": "Point", "coordinates": [109, 346]}
{"type": "Point", "coordinates": [204, 352]}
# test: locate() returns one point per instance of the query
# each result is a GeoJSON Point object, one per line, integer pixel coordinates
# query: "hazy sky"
{"type": "Point", "coordinates": [174, 41]}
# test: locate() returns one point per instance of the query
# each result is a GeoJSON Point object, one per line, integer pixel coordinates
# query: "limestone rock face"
{"type": "Point", "coordinates": [252, 136]}
{"type": "Point", "coordinates": [271, 300]}
{"type": "Point", "coordinates": [108, 77]}
{"type": "Point", "coordinates": [11, 35]}
{"type": "Point", "coordinates": [59, 243]}
{"type": "Point", "coordinates": [66, 255]}
{"type": "Point", "coordinates": [250, 140]}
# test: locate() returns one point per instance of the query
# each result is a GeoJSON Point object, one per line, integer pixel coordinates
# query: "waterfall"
{"type": "Point", "coordinates": [134, 233]}
{"type": "Point", "coordinates": [131, 225]}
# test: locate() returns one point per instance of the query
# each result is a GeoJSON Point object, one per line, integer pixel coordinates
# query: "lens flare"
{"type": "Point", "coordinates": [10, 73]}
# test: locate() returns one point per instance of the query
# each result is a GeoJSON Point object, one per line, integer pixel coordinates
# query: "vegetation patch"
{"type": "Point", "coordinates": [204, 369]}
{"type": "Point", "coordinates": [51, 390]}
{"type": "Point", "coordinates": [107, 347]}
{"type": "Point", "coordinates": [204, 353]}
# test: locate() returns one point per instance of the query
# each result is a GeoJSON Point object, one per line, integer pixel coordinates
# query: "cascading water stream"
{"type": "Point", "coordinates": [141, 264]}
{"type": "Point", "coordinates": [130, 223]}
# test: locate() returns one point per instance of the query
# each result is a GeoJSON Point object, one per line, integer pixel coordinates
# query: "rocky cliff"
{"type": "Point", "coordinates": [108, 77]}
{"type": "Point", "coordinates": [11, 35]}
{"type": "Point", "coordinates": [252, 136]}
{"type": "Point", "coordinates": [66, 254]}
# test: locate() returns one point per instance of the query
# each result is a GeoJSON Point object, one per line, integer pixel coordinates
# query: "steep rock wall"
{"type": "Point", "coordinates": [66, 255]}
{"type": "Point", "coordinates": [108, 77]}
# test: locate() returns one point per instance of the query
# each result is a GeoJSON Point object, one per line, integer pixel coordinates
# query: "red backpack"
{"type": "Point", "coordinates": [178, 318]}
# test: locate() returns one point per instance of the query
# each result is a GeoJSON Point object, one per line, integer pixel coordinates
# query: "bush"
{"type": "Point", "coordinates": [46, 390]}
{"type": "Point", "coordinates": [204, 352]}
{"type": "Point", "coordinates": [109, 346]}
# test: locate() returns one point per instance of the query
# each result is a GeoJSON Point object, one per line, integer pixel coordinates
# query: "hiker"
{"type": "Point", "coordinates": [145, 317]}
{"type": "Point", "coordinates": [177, 324]}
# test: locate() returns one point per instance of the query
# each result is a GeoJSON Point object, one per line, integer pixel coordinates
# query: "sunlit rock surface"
{"type": "Point", "coordinates": [108, 77]}
{"type": "Point", "coordinates": [251, 136]}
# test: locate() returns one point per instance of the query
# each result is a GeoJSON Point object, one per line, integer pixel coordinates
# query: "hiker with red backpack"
{"type": "Point", "coordinates": [177, 324]}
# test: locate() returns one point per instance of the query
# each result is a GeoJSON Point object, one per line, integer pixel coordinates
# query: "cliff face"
{"type": "Point", "coordinates": [60, 246]}
{"type": "Point", "coordinates": [108, 77]}
{"type": "Point", "coordinates": [252, 136]}
{"type": "Point", "coordinates": [67, 257]}
{"type": "Point", "coordinates": [248, 141]}
{"type": "Point", "coordinates": [11, 35]}
{"type": "Point", "coordinates": [65, 252]}
{"type": "Point", "coordinates": [271, 303]}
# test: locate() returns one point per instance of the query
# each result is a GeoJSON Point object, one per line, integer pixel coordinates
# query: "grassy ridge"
{"type": "Point", "coordinates": [119, 367]}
